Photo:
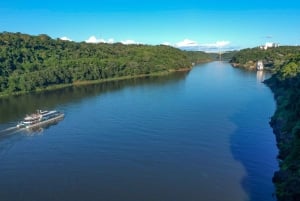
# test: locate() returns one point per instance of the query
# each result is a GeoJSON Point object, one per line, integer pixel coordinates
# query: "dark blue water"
{"type": "Point", "coordinates": [202, 135]}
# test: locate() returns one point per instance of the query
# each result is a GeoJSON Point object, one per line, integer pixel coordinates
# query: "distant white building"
{"type": "Point", "coordinates": [259, 65]}
{"type": "Point", "coordinates": [269, 45]}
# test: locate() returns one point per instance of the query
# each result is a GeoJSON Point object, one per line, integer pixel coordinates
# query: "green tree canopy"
{"type": "Point", "coordinates": [34, 62]}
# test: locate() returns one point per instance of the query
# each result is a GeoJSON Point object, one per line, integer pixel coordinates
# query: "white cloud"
{"type": "Point", "coordinates": [186, 43]}
{"type": "Point", "coordinates": [128, 42]}
{"type": "Point", "coordinates": [93, 39]}
{"type": "Point", "coordinates": [222, 43]}
{"type": "Point", "coordinates": [111, 40]}
{"type": "Point", "coordinates": [167, 43]}
{"type": "Point", "coordinates": [218, 44]}
{"type": "Point", "coordinates": [65, 38]}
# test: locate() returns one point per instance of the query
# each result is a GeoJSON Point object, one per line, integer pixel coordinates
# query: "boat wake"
{"type": "Point", "coordinates": [9, 131]}
{"type": "Point", "coordinates": [34, 123]}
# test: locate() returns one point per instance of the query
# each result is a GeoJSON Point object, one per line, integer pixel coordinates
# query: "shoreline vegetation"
{"type": "Point", "coordinates": [91, 82]}
{"type": "Point", "coordinates": [285, 84]}
{"type": "Point", "coordinates": [272, 58]}
{"type": "Point", "coordinates": [284, 62]}
{"type": "Point", "coordinates": [37, 63]}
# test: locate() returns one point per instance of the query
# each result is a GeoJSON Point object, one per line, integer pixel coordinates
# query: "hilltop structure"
{"type": "Point", "coordinates": [269, 45]}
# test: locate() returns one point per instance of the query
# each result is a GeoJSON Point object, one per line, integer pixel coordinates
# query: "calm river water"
{"type": "Point", "coordinates": [199, 135]}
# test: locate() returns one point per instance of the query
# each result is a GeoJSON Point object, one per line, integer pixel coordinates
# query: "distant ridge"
{"type": "Point", "coordinates": [271, 57]}
{"type": "Point", "coordinates": [31, 63]}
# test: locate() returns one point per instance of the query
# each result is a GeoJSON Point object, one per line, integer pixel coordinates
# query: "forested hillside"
{"type": "Point", "coordinates": [271, 57]}
{"type": "Point", "coordinates": [28, 63]}
{"type": "Point", "coordinates": [285, 84]}
{"type": "Point", "coordinates": [197, 57]}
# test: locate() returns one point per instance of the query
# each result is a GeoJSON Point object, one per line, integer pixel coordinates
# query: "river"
{"type": "Point", "coordinates": [198, 135]}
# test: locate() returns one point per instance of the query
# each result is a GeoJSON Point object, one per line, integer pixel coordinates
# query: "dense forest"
{"type": "Point", "coordinates": [271, 57]}
{"type": "Point", "coordinates": [30, 63]}
{"type": "Point", "coordinates": [285, 84]}
{"type": "Point", "coordinates": [196, 57]}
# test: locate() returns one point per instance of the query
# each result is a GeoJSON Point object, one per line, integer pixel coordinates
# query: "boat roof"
{"type": "Point", "coordinates": [50, 112]}
{"type": "Point", "coordinates": [43, 112]}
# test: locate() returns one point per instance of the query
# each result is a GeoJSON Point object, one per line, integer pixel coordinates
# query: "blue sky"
{"type": "Point", "coordinates": [202, 24]}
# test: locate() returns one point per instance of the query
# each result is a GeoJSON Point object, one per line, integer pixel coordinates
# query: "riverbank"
{"type": "Point", "coordinates": [284, 62]}
{"type": "Point", "coordinates": [251, 66]}
{"type": "Point", "coordinates": [40, 62]}
{"type": "Point", "coordinates": [272, 57]}
{"type": "Point", "coordinates": [156, 74]}
{"type": "Point", "coordinates": [286, 127]}
{"type": "Point", "coordinates": [90, 82]}
{"type": "Point", "coordinates": [248, 66]}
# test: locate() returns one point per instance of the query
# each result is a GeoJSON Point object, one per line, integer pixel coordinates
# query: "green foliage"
{"type": "Point", "coordinates": [285, 84]}
{"type": "Point", "coordinates": [272, 57]}
{"type": "Point", "coordinates": [290, 70]}
{"type": "Point", "coordinates": [29, 62]}
{"type": "Point", "coordinates": [197, 57]}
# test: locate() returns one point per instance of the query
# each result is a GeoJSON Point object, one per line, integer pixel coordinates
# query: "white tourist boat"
{"type": "Point", "coordinates": [40, 118]}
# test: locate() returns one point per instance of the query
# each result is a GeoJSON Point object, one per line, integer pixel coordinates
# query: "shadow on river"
{"type": "Point", "coordinates": [14, 108]}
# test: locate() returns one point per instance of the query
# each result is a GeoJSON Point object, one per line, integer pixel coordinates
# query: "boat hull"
{"type": "Point", "coordinates": [43, 122]}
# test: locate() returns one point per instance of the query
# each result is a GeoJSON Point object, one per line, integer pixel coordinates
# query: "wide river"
{"type": "Point", "coordinates": [202, 135]}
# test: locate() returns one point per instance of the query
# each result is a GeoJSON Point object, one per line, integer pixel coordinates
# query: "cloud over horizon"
{"type": "Point", "coordinates": [129, 42]}
{"type": "Point", "coordinates": [188, 44]}
{"type": "Point", "coordinates": [185, 44]}
{"type": "Point", "coordinates": [65, 38]}
{"type": "Point", "coordinates": [94, 39]}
